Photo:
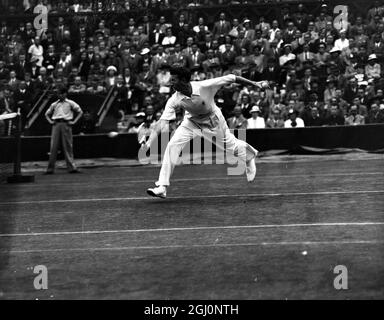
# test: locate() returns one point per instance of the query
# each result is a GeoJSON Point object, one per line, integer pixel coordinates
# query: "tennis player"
{"type": "Point", "coordinates": [201, 115]}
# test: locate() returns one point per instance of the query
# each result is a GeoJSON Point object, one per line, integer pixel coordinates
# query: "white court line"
{"type": "Point", "coordinates": [217, 245]}
{"type": "Point", "coordinates": [126, 180]}
{"type": "Point", "coordinates": [260, 226]}
{"type": "Point", "coordinates": [288, 194]}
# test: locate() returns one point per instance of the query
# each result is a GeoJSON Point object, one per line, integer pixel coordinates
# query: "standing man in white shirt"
{"type": "Point", "coordinates": [61, 116]}
{"type": "Point", "coordinates": [255, 122]}
{"type": "Point", "coordinates": [202, 118]}
{"type": "Point", "coordinates": [36, 51]}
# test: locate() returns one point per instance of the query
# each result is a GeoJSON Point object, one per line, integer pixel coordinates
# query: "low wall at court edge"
{"type": "Point", "coordinates": [294, 141]}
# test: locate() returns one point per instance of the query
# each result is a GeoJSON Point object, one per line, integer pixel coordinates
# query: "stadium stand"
{"type": "Point", "coordinates": [114, 58]}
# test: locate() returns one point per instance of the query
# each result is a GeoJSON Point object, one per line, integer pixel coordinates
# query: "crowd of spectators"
{"type": "Point", "coordinates": [318, 75]}
{"type": "Point", "coordinates": [118, 6]}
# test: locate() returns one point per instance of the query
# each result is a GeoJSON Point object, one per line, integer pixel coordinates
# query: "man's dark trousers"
{"type": "Point", "coordinates": [61, 130]}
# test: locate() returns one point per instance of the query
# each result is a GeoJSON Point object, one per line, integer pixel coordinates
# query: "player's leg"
{"type": "Point", "coordinates": [67, 142]}
{"type": "Point", "coordinates": [244, 151]}
{"type": "Point", "coordinates": [55, 142]}
{"type": "Point", "coordinates": [183, 134]}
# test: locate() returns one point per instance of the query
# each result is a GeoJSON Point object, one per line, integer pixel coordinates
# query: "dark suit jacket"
{"type": "Point", "coordinates": [271, 75]}
{"type": "Point", "coordinates": [133, 62]}
{"type": "Point", "coordinates": [242, 43]}
{"type": "Point", "coordinates": [152, 38]}
{"type": "Point", "coordinates": [34, 74]}
{"type": "Point", "coordinates": [218, 29]}
{"type": "Point", "coordinates": [23, 101]}
{"type": "Point", "coordinates": [227, 59]}
{"type": "Point", "coordinates": [190, 62]}
{"type": "Point", "coordinates": [84, 66]}
{"type": "Point", "coordinates": [379, 51]}
{"type": "Point", "coordinates": [50, 60]}
{"type": "Point", "coordinates": [20, 70]}
{"type": "Point", "coordinates": [205, 46]}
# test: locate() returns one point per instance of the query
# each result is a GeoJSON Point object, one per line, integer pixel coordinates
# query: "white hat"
{"type": "Point", "coordinates": [255, 109]}
{"type": "Point", "coordinates": [145, 51]}
{"type": "Point", "coordinates": [372, 57]}
{"type": "Point", "coordinates": [112, 68]}
{"type": "Point", "coordinates": [140, 114]}
{"type": "Point", "coordinates": [247, 20]}
{"type": "Point", "coordinates": [334, 49]}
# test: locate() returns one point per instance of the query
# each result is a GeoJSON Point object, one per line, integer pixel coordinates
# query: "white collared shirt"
{"type": "Point", "coordinates": [201, 102]}
{"type": "Point", "coordinates": [63, 109]}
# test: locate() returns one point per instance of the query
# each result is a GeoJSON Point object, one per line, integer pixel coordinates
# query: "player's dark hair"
{"type": "Point", "coordinates": [182, 72]}
{"type": "Point", "coordinates": [63, 90]}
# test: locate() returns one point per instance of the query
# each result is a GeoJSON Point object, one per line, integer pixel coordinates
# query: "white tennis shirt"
{"type": "Point", "coordinates": [201, 103]}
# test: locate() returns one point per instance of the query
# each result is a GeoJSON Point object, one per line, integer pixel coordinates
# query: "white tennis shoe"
{"type": "Point", "coordinates": [159, 192]}
{"type": "Point", "coordinates": [250, 170]}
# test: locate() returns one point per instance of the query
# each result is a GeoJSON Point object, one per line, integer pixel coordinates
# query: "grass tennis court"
{"type": "Point", "coordinates": [215, 236]}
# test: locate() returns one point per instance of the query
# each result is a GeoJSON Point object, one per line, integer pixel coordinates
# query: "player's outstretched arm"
{"type": "Point", "coordinates": [260, 84]}
{"type": "Point", "coordinates": [160, 126]}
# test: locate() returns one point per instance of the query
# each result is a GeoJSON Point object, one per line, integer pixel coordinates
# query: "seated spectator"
{"type": "Point", "coordinates": [243, 63]}
{"type": "Point", "coordinates": [158, 59]}
{"type": "Point", "coordinates": [84, 66]}
{"type": "Point", "coordinates": [78, 86]}
{"type": "Point", "coordinates": [163, 78]}
{"type": "Point", "coordinates": [223, 44]}
{"type": "Point", "coordinates": [376, 46]}
{"type": "Point", "coordinates": [221, 27]}
{"type": "Point", "coordinates": [335, 117]}
{"type": "Point", "coordinates": [313, 119]}
{"type": "Point", "coordinates": [249, 32]}
{"type": "Point", "coordinates": [13, 82]}
{"type": "Point", "coordinates": [275, 119]}
{"type": "Point", "coordinates": [375, 115]}
{"type": "Point", "coordinates": [43, 81]}
{"type": "Point", "coordinates": [255, 122]}
{"type": "Point", "coordinates": [242, 42]}
{"type": "Point", "coordinates": [169, 39]}
{"type": "Point", "coordinates": [294, 121]}
{"type": "Point", "coordinates": [195, 58]}
{"type": "Point", "coordinates": [354, 117]}
{"type": "Point", "coordinates": [373, 68]}
{"type": "Point", "coordinates": [287, 56]}
{"type": "Point", "coordinates": [238, 121]}
{"type": "Point", "coordinates": [113, 60]}
{"type": "Point", "coordinates": [139, 120]}
{"type": "Point", "coordinates": [95, 85]}
{"type": "Point", "coordinates": [330, 91]}
{"type": "Point", "coordinates": [110, 79]}
{"type": "Point", "coordinates": [306, 55]}
{"type": "Point", "coordinates": [258, 64]}
{"type": "Point", "coordinates": [32, 68]}
{"type": "Point", "coordinates": [123, 124]}
{"type": "Point", "coordinates": [227, 58]}
{"type": "Point", "coordinates": [360, 106]}
{"type": "Point", "coordinates": [199, 25]}
{"type": "Point", "coordinates": [64, 64]}
{"type": "Point", "coordinates": [342, 43]}
{"type": "Point", "coordinates": [211, 61]}
{"type": "Point", "coordinates": [246, 105]}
